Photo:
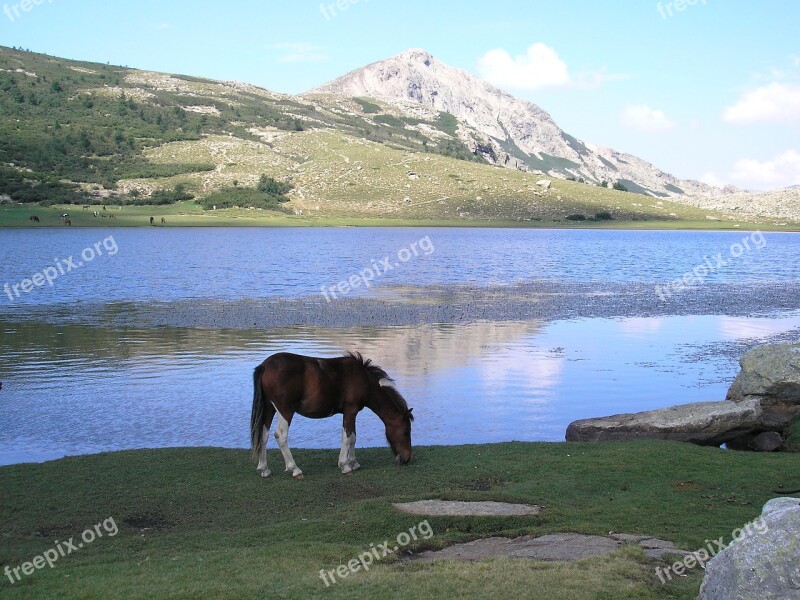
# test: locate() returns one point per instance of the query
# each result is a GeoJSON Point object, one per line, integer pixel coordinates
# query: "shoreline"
{"type": "Point", "coordinates": [433, 304]}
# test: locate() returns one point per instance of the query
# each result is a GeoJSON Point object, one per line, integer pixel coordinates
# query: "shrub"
{"type": "Point", "coordinates": [620, 186]}
{"type": "Point", "coordinates": [577, 217]}
{"type": "Point", "coordinates": [792, 437]}
{"type": "Point", "coordinates": [603, 215]}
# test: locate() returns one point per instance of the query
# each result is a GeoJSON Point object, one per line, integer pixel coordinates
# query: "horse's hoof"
{"type": "Point", "coordinates": [355, 466]}
{"type": "Point", "coordinates": [347, 473]}
{"type": "Point", "coordinates": [266, 474]}
{"type": "Point", "coordinates": [298, 476]}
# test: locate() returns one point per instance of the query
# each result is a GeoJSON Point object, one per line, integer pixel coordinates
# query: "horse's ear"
{"type": "Point", "coordinates": [410, 415]}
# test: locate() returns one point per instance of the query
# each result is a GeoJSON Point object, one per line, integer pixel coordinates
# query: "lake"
{"type": "Point", "coordinates": [73, 388]}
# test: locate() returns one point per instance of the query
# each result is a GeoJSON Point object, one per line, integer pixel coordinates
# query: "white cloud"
{"type": "Point", "coordinates": [773, 103]}
{"type": "Point", "coordinates": [294, 52]}
{"type": "Point", "coordinates": [795, 60]}
{"type": "Point", "coordinates": [643, 118]}
{"type": "Point", "coordinates": [711, 178]}
{"type": "Point", "coordinates": [540, 67]}
{"type": "Point", "coordinates": [780, 172]}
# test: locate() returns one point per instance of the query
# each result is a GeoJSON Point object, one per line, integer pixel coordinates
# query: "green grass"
{"type": "Point", "coordinates": [189, 214]}
{"type": "Point", "coordinates": [201, 523]}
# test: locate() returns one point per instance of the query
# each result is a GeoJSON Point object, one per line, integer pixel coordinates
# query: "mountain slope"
{"type": "Point", "coordinates": [83, 133]}
{"type": "Point", "coordinates": [504, 129]}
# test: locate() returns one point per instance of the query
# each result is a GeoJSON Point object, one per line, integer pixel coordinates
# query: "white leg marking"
{"type": "Point", "coordinates": [351, 454]}
{"type": "Point", "coordinates": [262, 456]}
{"type": "Point", "coordinates": [347, 456]}
{"type": "Point", "coordinates": [282, 436]}
{"type": "Point", "coordinates": [343, 452]}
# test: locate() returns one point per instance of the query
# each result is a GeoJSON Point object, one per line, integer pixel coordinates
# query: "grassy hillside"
{"type": "Point", "coordinates": [201, 522]}
{"type": "Point", "coordinates": [85, 133]}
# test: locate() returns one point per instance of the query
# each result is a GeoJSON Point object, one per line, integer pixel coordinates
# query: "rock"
{"type": "Point", "coordinates": [769, 441]}
{"type": "Point", "coordinates": [552, 547]}
{"type": "Point", "coordinates": [544, 183]}
{"type": "Point", "coordinates": [466, 509]}
{"type": "Point", "coordinates": [706, 423]}
{"type": "Point", "coordinates": [771, 374]}
{"type": "Point", "coordinates": [763, 563]}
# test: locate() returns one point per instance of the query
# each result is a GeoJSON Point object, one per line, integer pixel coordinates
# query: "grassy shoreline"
{"type": "Point", "coordinates": [199, 522]}
{"type": "Point", "coordinates": [189, 215]}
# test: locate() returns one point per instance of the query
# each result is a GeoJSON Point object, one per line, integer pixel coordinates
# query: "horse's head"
{"type": "Point", "coordinates": [397, 421]}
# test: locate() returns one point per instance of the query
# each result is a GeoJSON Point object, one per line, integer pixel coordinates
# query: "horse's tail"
{"type": "Point", "coordinates": [257, 413]}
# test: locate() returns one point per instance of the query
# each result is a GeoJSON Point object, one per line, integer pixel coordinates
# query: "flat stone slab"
{"type": "Point", "coordinates": [552, 547]}
{"type": "Point", "coordinates": [711, 423]}
{"type": "Point", "coordinates": [449, 508]}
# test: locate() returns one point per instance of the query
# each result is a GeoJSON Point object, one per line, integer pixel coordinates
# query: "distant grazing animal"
{"type": "Point", "coordinates": [85, 206]}
{"type": "Point", "coordinates": [67, 222]}
{"type": "Point", "coordinates": [96, 213]}
{"type": "Point", "coordinates": [104, 206]}
{"type": "Point", "coordinates": [112, 216]}
{"type": "Point", "coordinates": [163, 221]}
{"type": "Point", "coordinates": [34, 219]}
{"type": "Point", "coordinates": [65, 215]}
{"type": "Point", "coordinates": [152, 220]}
{"type": "Point", "coordinates": [321, 387]}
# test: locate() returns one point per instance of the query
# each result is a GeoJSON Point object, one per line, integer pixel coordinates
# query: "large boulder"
{"type": "Point", "coordinates": [706, 423]}
{"type": "Point", "coordinates": [771, 374]}
{"type": "Point", "coordinates": [763, 563]}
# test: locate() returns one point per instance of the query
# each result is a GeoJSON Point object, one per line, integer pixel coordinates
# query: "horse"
{"type": "Point", "coordinates": [152, 220]}
{"type": "Point", "coordinates": [34, 219]}
{"type": "Point", "coordinates": [67, 222]}
{"type": "Point", "coordinates": [163, 221]}
{"type": "Point", "coordinates": [317, 388]}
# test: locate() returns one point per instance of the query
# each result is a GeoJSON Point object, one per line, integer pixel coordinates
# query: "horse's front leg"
{"type": "Point", "coordinates": [282, 437]}
{"type": "Point", "coordinates": [347, 455]}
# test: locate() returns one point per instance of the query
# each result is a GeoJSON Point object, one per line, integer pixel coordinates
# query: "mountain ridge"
{"type": "Point", "coordinates": [505, 130]}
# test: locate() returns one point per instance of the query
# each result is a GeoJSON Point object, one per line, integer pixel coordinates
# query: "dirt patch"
{"type": "Point", "coordinates": [686, 486]}
{"type": "Point", "coordinates": [448, 508]}
{"type": "Point", "coordinates": [553, 547]}
{"type": "Point", "coordinates": [146, 522]}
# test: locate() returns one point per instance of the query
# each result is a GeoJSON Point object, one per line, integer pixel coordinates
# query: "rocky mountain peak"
{"type": "Point", "coordinates": [505, 130]}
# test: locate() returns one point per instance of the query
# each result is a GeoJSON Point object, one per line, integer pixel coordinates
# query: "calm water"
{"type": "Point", "coordinates": [75, 389]}
{"type": "Point", "coordinates": [168, 264]}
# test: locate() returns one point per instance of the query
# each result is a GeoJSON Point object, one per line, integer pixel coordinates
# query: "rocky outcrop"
{"type": "Point", "coordinates": [763, 563]}
{"type": "Point", "coordinates": [762, 401]}
{"type": "Point", "coordinates": [770, 374]}
{"type": "Point", "coordinates": [705, 423]}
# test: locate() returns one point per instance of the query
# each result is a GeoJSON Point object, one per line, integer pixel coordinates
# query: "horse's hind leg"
{"type": "Point", "coordinates": [282, 436]}
{"type": "Point", "coordinates": [269, 413]}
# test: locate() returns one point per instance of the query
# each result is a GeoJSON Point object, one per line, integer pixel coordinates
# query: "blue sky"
{"type": "Point", "coordinates": [706, 89]}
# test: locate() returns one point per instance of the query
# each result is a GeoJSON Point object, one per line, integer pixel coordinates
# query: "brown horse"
{"type": "Point", "coordinates": [322, 387]}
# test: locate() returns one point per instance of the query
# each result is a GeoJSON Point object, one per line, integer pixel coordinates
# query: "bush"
{"type": "Point", "coordinates": [603, 215]}
{"type": "Point", "coordinates": [269, 195]}
{"type": "Point", "coordinates": [620, 186]}
{"type": "Point", "coordinates": [576, 217]}
{"type": "Point", "coordinates": [792, 437]}
{"type": "Point", "coordinates": [162, 197]}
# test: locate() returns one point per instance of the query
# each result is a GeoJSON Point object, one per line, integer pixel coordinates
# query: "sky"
{"type": "Point", "coordinates": [703, 89]}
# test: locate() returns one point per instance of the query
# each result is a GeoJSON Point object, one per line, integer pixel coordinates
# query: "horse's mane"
{"type": "Point", "coordinates": [378, 373]}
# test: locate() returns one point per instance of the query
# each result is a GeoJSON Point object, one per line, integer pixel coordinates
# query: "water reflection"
{"type": "Point", "coordinates": [73, 389]}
